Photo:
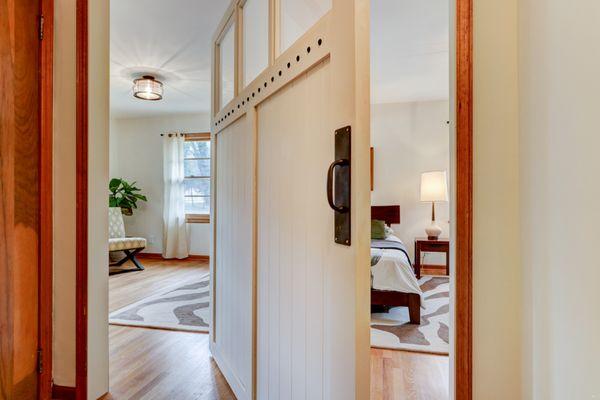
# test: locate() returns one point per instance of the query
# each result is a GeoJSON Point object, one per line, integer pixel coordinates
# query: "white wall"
{"type": "Point", "coordinates": [63, 359]}
{"type": "Point", "coordinates": [559, 88]}
{"type": "Point", "coordinates": [408, 139]}
{"type": "Point", "coordinates": [64, 198]}
{"type": "Point", "coordinates": [98, 108]}
{"type": "Point", "coordinates": [497, 281]}
{"type": "Point", "coordinates": [136, 155]}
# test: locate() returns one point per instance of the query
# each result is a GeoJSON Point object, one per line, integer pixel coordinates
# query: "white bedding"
{"type": "Point", "coordinates": [393, 271]}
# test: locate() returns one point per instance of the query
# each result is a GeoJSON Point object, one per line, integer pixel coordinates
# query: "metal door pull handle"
{"type": "Point", "coordinates": [330, 195]}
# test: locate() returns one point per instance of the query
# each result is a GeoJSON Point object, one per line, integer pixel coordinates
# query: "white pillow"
{"type": "Point", "coordinates": [388, 231]}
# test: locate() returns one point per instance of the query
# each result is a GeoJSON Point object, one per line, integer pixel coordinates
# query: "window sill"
{"type": "Point", "coordinates": [197, 218]}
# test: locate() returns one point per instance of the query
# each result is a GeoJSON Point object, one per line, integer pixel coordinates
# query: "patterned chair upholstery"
{"type": "Point", "coordinates": [119, 242]}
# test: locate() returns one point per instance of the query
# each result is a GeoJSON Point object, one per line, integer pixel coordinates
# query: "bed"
{"type": "Point", "coordinates": [394, 283]}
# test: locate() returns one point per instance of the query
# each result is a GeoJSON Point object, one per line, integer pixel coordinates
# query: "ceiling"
{"type": "Point", "coordinates": [409, 50]}
{"type": "Point", "coordinates": [172, 39]}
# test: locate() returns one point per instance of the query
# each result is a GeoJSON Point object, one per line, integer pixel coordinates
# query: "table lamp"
{"type": "Point", "coordinates": [433, 188]}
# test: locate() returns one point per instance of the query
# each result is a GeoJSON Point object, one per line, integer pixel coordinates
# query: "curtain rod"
{"type": "Point", "coordinates": [184, 133]}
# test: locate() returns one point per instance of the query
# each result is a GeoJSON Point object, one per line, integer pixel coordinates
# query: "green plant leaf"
{"type": "Point", "coordinates": [114, 184]}
{"type": "Point", "coordinates": [124, 194]}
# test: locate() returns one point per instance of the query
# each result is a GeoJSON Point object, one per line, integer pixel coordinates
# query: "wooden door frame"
{"type": "Point", "coordinates": [464, 201]}
{"type": "Point", "coordinates": [45, 285]}
{"type": "Point", "coordinates": [81, 276]}
{"type": "Point", "coordinates": [464, 198]}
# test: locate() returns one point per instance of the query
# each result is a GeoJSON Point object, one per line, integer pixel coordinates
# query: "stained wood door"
{"type": "Point", "coordinates": [290, 305]}
{"type": "Point", "coordinates": [19, 197]}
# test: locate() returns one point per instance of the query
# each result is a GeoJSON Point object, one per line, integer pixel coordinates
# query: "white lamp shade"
{"type": "Point", "coordinates": [434, 186]}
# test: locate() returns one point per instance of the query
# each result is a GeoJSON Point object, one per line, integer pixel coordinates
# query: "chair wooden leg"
{"type": "Point", "coordinates": [130, 255]}
{"type": "Point", "coordinates": [134, 260]}
{"type": "Point", "coordinates": [122, 261]}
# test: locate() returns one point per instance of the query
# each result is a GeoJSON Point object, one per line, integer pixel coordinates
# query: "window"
{"type": "Point", "coordinates": [256, 38]}
{"type": "Point", "coordinates": [227, 66]}
{"type": "Point", "coordinates": [297, 16]}
{"type": "Point", "coordinates": [197, 177]}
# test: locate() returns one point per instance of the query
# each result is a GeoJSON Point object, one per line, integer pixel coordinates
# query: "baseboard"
{"type": "Point", "coordinates": [63, 392]}
{"type": "Point", "coordinates": [158, 256]}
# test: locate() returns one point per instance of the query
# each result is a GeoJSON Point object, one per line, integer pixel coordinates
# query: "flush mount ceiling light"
{"type": "Point", "coordinates": [148, 88]}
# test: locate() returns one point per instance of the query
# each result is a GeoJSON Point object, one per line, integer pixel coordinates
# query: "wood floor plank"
{"type": "Point", "coordinates": [402, 375]}
{"type": "Point", "coordinates": [148, 364]}
{"type": "Point", "coordinates": [153, 364]}
{"type": "Point", "coordinates": [158, 277]}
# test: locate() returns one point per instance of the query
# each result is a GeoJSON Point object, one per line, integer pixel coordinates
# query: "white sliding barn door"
{"type": "Point", "coordinates": [291, 306]}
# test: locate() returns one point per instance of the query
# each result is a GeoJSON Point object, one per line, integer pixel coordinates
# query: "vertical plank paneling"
{"type": "Point", "coordinates": [233, 271]}
{"type": "Point", "coordinates": [300, 146]}
{"type": "Point", "coordinates": [295, 234]}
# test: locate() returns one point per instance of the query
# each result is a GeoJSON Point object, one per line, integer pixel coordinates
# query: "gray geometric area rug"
{"type": "Point", "coordinates": [392, 330]}
{"type": "Point", "coordinates": [185, 308]}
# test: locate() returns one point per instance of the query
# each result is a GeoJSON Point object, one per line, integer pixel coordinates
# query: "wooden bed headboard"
{"type": "Point", "coordinates": [389, 214]}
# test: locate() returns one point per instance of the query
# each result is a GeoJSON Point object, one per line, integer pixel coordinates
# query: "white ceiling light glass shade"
{"type": "Point", "coordinates": [148, 88]}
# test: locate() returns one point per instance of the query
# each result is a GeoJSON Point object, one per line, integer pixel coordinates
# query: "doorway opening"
{"type": "Point", "coordinates": [225, 119]}
{"type": "Point", "coordinates": [159, 200]}
{"type": "Point", "coordinates": [415, 179]}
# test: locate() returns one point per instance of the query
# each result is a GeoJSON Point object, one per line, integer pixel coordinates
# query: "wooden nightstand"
{"type": "Point", "coordinates": [431, 246]}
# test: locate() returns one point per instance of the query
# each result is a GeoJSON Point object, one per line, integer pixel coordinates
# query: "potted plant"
{"type": "Point", "coordinates": [125, 195]}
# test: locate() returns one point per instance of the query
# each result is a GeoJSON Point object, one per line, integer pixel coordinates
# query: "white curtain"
{"type": "Point", "coordinates": [175, 243]}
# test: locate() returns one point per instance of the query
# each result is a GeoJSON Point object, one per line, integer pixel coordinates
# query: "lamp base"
{"type": "Point", "coordinates": [433, 231]}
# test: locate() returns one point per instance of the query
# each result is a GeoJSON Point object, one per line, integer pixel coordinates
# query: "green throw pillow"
{"type": "Point", "coordinates": [377, 229]}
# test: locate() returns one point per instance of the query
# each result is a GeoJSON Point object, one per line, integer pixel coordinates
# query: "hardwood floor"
{"type": "Point", "coordinates": [159, 276]}
{"type": "Point", "coordinates": [155, 364]}
{"type": "Point", "coordinates": [407, 375]}
{"type": "Point", "coordinates": [402, 375]}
